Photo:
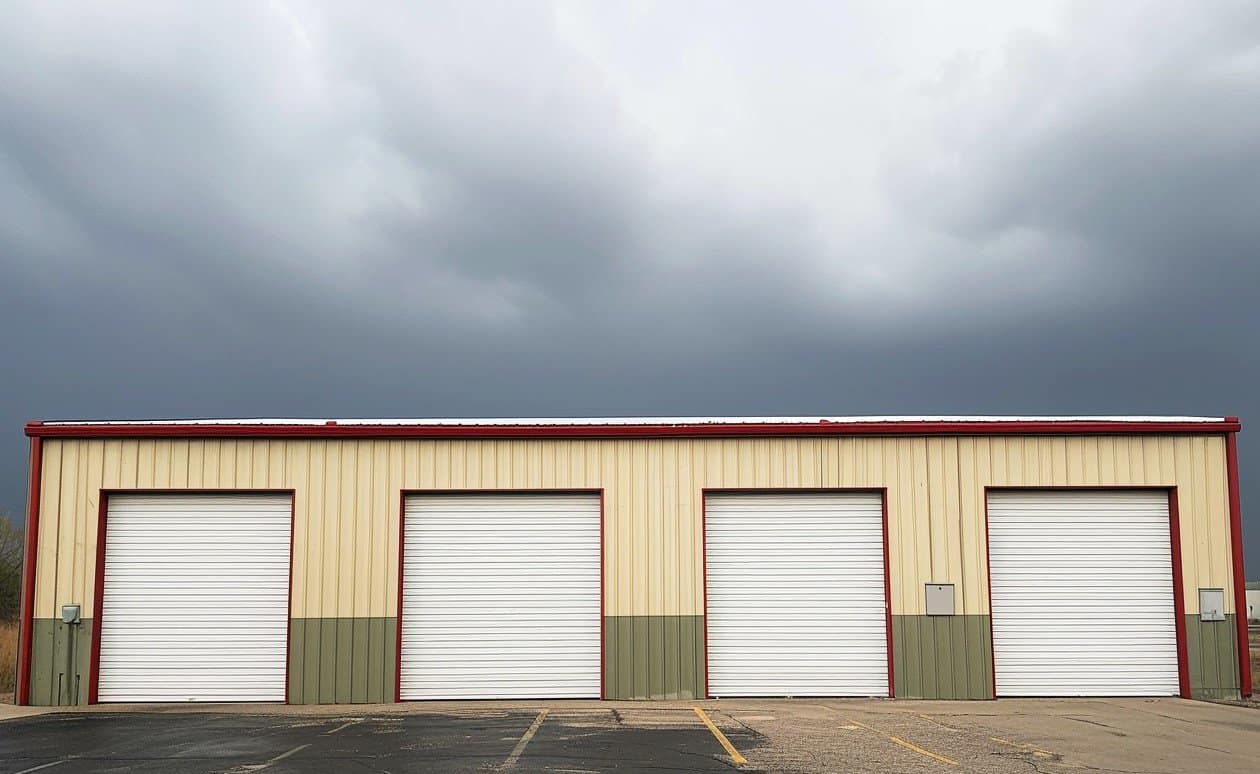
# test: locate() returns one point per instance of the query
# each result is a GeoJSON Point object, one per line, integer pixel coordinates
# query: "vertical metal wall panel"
{"type": "Point", "coordinates": [61, 659]}
{"type": "Point", "coordinates": [501, 596]}
{"type": "Point", "coordinates": [631, 672]}
{"type": "Point", "coordinates": [796, 595]}
{"type": "Point", "coordinates": [361, 673]}
{"type": "Point", "coordinates": [1213, 647]}
{"type": "Point", "coordinates": [942, 657]}
{"type": "Point", "coordinates": [1082, 594]}
{"type": "Point", "coordinates": [196, 598]}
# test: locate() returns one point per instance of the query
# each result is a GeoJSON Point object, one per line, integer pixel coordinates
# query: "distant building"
{"type": "Point", "coordinates": [1253, 602]}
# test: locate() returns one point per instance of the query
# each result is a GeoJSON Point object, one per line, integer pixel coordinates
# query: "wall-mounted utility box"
{"type": "Point", "coordinates": [940, 598]}
{"type": "Point", "coordinates": [1211, 604]}
{"type": "Point", "coordinates": [70, 614]}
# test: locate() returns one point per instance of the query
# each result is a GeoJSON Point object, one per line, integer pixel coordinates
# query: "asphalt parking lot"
{"type": "Point", "coordinates": [1046, 736]}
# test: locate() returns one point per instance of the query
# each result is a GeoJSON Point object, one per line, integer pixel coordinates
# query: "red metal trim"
{"type": "Point", "coordinates": [402, 515]}
{"type": "Point", "coordinates": [602, 602]}
{"type": "Point", "coordinates": [1179, 594]}
{"type": "Point", "coordinates": [988, 576]}
{"type": "Point", "coordinates": [98, 596]}
{"type": "Point", "coordinates": [1081, 488]}
{"type": "Point", "coordinates": [882, 491]}
{"type": "Point", "coordinates": [288, 625]}
{"type": "Point", "coordinates": [200, 491]}
{"type": "Point", "coordinates": [1236, 549]}
{"type": "Point", "coordinates": [402, 531]}
{"type": "Point", "coordinates": [1174, 522]}
{"type": "Point", "coordinates": [1066, 427]}
{"type": "Point", "coordinates": [29, 559]}
{"type": "Point", "coordinates": [98, 592]}
{"type": "Point", "coordinates": [512, 491]}
{"type": "Point", "coordinates": [704, 585]}
{"type": "Point", "coordinates": [883, 506]}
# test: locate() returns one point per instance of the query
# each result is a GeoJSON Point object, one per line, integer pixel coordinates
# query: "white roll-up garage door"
{"type": "Point", "coordinates": [1082, 591]}
{"type": "Point", "coordinates": [796, 603]}
{"type": "Point", "coordinates": [501, 596]}
{"type": "Point", "coordinates": [195, 604]}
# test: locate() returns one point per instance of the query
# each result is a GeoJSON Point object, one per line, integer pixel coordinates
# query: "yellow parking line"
{"type": "Point", "coordinates": [905, 744]}
{"type": "Point", "coordinates": [515, 755]}
{"type": "Point", "coordinates": [722, 740]}
{"type": "Point", "coordinates": [935, 722]}
{"type": "Point", "coordinates": [921, 751]}
{"type": "Point", "coordinates": [1021, 745]}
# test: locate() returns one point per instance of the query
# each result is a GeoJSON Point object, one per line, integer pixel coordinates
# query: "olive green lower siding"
{"type": "Point", "coordinates": [1212, 648]}
{"type": "Point", "coordinates": [942, 657]}
{"type": "Point", "coordinates": [342, 660]}
{"type": "Point", "coordinates": [61, 658]}
{"type": "Point", "coordinates": [949, 657]}
{"type": "Point", "coordinates": [654, 656]}
{"type": "Point", "coordinates": [354, 660]}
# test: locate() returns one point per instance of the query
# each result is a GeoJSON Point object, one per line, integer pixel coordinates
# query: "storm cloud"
{"type": "Point", "coordinates": [302, 209]}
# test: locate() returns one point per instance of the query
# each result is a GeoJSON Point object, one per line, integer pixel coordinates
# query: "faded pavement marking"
{"type": "Point", "coordinates": [42, 766]}
{"type": "Point", "coordinates": [905, 744]}
{"type": "Point", "coordinates": [250, 767]}
{"type": "Point", "coordinates": [515, 755]}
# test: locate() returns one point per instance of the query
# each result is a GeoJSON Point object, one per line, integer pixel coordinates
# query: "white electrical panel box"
{"type": "Point", "coordinates": [1211, 604]}
{"type": "Point", "coordinates": [940, 598]}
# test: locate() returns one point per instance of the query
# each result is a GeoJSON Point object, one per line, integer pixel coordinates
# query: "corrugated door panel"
{"type": "Point", "coordinates": [796, 601]}
{"type": "Point", "coordinates": [196, 598]}
{"type": "Point", "coordinates": [501, 596]}
{"type": "Point", "coordinates": [1082, 594]}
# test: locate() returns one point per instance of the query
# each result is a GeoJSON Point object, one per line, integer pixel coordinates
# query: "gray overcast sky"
{"type": "Point", "coordinates": [295, 208]}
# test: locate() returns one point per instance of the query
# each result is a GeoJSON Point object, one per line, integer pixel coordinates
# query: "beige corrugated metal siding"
{"type": "Point", "coordinates": [345, 560]}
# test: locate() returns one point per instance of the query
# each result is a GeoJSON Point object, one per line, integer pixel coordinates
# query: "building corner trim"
{"type": "Point", "coordinates": [1236, 548]}
{"type": "Point", "coordinates": [26, 625]}
{"type": "Point", "coordinates": [1179, 594]}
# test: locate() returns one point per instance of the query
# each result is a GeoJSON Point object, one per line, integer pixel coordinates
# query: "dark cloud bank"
{"type": "Point", "coordinates": [292, 213]}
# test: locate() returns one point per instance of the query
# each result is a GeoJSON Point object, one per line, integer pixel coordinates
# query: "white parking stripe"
{"type": "Point", "coordinates": [343, 725]}
{"type": "Point", "coordinates": [251, 767]}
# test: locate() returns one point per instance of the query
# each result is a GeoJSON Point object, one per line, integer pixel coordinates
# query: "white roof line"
{"type": "Point", "coordinates": [630, 421]}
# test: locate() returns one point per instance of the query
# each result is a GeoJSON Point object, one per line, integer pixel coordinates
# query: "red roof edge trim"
{"type": "Point", "coordinates": [1067, 427]}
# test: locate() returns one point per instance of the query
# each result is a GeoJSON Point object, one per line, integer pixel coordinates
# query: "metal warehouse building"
{"type": "Point", "coordinates": [374, 561]}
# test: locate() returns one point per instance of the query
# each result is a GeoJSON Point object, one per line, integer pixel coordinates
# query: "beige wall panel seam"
{"type": "Point", "coordinates": [294, 474]}
{"type": "Point", "coordinates": [90, 520]}
{"type": "Point", "coordinates": [364, 530]}
{"type": "Point", "coordinates": [86, 495]}
{"type": "Point", "coordinates": [934, 482]}
{"type": "Point", "coordinates": [68, 514]}
{"type": "Point", "coordinates": [162, 463]}
{"type": "Point", "coordinates": [49, 548]}
{"type": "Point", "coordinates": [1217, 525]}
{"type": "Point", "coordinates": [921, 514]}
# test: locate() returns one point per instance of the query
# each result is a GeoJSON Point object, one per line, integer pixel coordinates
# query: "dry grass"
{"type": "Point", "coordinates": [8, 655]}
